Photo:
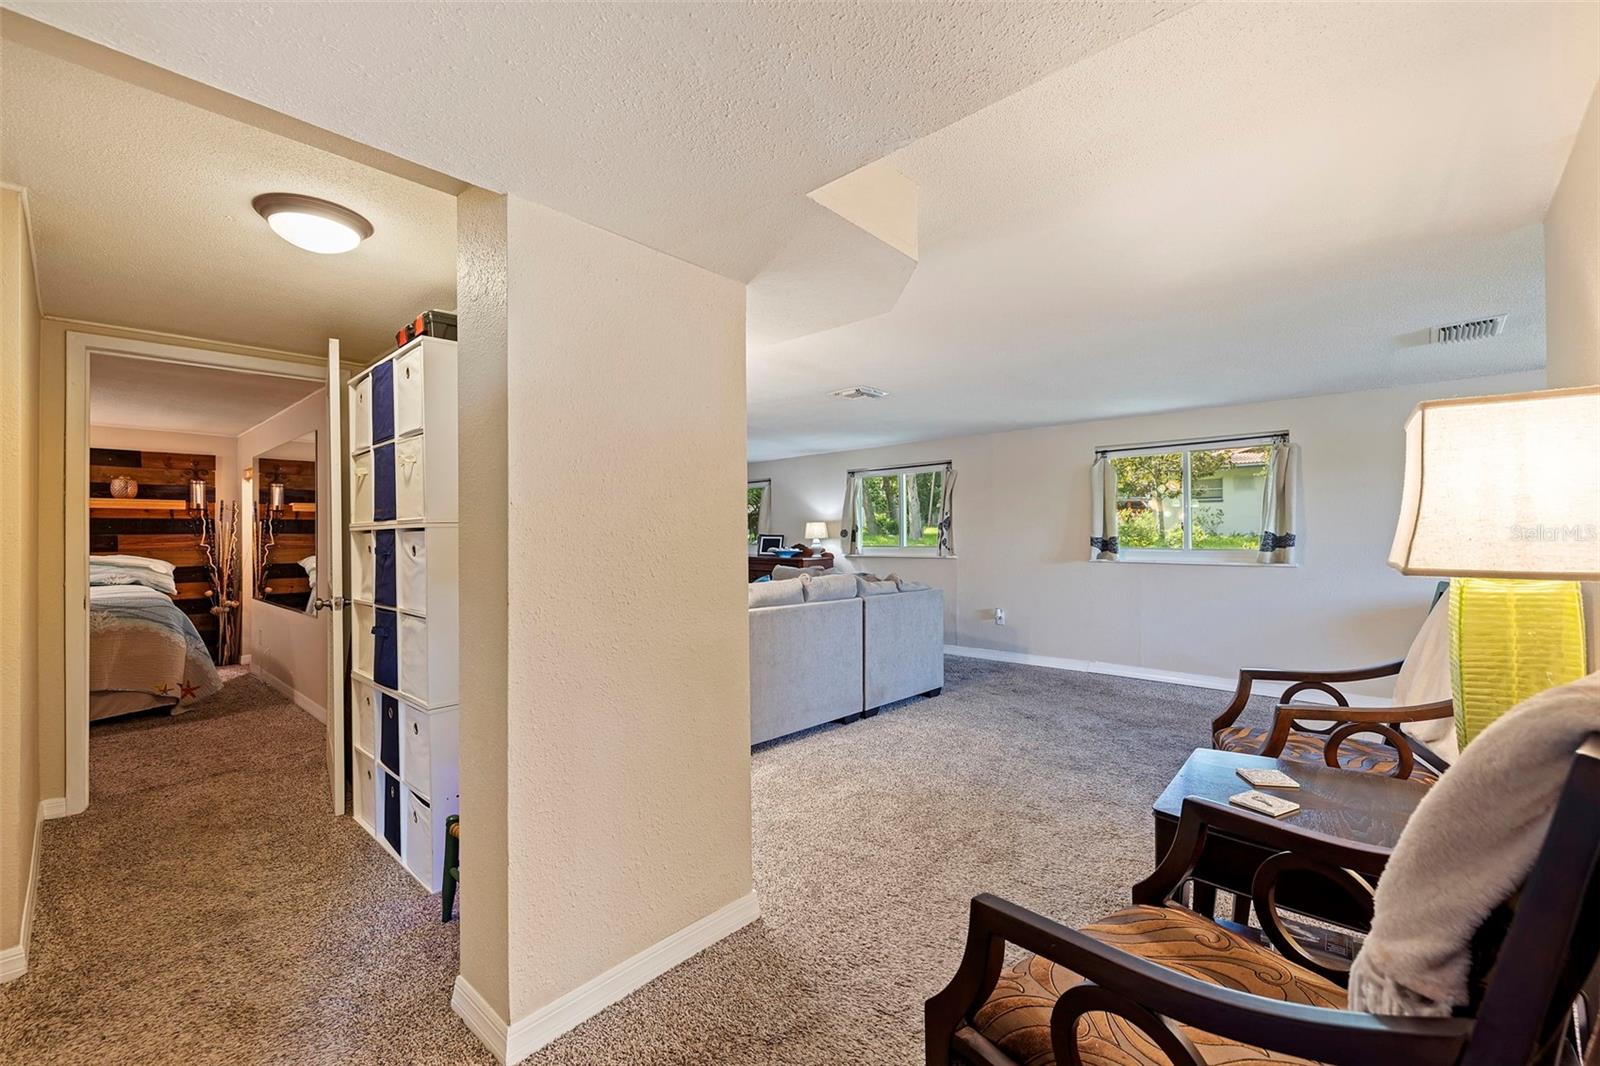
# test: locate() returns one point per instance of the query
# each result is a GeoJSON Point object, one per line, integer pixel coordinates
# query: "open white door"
{"type": "Point", "coordinates": [333, 567]}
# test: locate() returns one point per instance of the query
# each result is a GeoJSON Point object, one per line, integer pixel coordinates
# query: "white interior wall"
{"type": "Point", "coordinates": [290, 648]}
{"type": "Point", "coordinates": [609, 740]}
{"type": "Point", "coordinates": [1572, 289]}
{"type": "Point", "coordinates": [1022, 532]}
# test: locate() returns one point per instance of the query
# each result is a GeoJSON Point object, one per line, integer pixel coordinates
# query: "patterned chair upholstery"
{"type": "Point", "coordinates": [1016, 1017]}
{"type": "Point", "coordinates": [1363, 755]}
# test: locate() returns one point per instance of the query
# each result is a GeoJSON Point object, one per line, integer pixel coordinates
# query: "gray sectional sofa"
{"type": "Point", "coordinates": [835, 646]}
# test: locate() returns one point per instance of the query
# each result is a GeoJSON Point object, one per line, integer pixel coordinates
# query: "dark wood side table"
{"type": "Point", "coordinates": [761, 565]}
{"type": "Point", "coordinates": [1364, 808]}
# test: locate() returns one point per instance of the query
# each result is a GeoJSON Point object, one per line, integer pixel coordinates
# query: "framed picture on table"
{"type": "Point", "coordinates": [767, 543]}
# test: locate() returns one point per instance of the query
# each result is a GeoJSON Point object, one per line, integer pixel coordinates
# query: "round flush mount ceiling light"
{"type": "Point", "coordinates": [319, 226]}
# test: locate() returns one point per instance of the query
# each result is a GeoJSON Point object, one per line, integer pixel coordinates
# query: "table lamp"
{"type": "Point", "coordinates": [1502, 495]}
{"type": "Point", "coordinates": [815, 531]}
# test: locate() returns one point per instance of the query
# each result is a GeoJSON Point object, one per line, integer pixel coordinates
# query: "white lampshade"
{"type": "Point", "coordinates": [816, 530]}
{"type": "Point", "coordinates": [1503, 486]}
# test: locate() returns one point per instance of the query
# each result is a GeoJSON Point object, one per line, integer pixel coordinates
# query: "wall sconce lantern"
{"type": "Point", "coordinates": [275, 491]}
{"type": "Point", "coordinates": [197, 489]}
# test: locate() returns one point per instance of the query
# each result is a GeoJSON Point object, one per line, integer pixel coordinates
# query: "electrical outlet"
{"type": "Point", "coordinates": [999, 616]}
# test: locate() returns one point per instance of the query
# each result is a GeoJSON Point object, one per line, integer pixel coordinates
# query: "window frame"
{"type": "Point", "coordinates": [902, 472]}
{"type": "Point", "coordinates": [1187, 554]}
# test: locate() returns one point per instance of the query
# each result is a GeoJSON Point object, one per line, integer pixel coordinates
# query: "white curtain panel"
{"type": "Point", "coordinates": [849, 535]}
{"type": "Point", "coordinates": [1103, 512]}
{"type": "Point", "coordinates": [947, 532]}
{"type": "Point", "coordinates": [1280, 507]}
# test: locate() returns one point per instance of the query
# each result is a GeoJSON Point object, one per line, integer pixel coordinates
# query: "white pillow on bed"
{"type": "Point", "coordinates": [111, 575]}
{"type": "Point", "coordinates": [133, 562]}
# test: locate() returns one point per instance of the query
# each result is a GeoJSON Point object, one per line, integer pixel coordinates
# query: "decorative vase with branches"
{"type": "Point", "coordinates": [219, 540]}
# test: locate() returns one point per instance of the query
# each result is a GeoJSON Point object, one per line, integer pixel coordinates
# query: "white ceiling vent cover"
{"type": "Point", "coordinates": [859, 392]}
{"type": "Point", "coordinates": [1476, 330]}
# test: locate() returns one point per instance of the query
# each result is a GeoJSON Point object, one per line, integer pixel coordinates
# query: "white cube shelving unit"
{"type": "Point", "coordinates": [404, 560]}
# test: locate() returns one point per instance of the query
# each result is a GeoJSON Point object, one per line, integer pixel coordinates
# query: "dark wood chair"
{"type": "Point", "coordinates": [1292, 734]}
{"type": "Point", "coordinates": [1157, 983]}
{"type": "Point", "coordinates": [452, 864]}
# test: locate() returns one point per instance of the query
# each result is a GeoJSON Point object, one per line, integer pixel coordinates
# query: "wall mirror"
{"type": "Point", "coordinates": [285, 494]}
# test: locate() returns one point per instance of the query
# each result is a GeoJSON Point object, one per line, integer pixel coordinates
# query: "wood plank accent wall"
{"type": "Point", "coordinates": [120, 527]}
{"type": "Point", "coordinates": [294, 529]}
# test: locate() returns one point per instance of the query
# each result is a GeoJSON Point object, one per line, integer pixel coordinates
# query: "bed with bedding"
{"type": "Point", "coordinates": [143, 651]}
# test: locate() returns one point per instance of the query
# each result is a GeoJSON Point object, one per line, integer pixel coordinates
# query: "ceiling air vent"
{"type": "Point", "coordinates": [1476, 330]}
{"type": "Point", "coordinates": [859, 392]}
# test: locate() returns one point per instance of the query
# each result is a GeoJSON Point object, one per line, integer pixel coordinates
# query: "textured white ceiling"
{"type": "Point", "coordinates": [151, 394]}
{"type": "Point", "coordinates": [1243, 203]}
{"type": "Point", "coordinates": [1158, 208]}
{"type": "Point", "coordinates": [140, 205]}
{"type": "Point", "coordinates": [694, 128]}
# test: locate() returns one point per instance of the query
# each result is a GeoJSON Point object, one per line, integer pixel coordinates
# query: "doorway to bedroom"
{"type": "Point", "coordinates": [203, 536]}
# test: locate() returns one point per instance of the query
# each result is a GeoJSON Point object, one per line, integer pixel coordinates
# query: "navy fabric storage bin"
{"type": "Point", "coordinates": [383, 401]}
{"type": "Point", "coordinates": [389, 734]}
{"type": "Point", "coordinates": [391, 811]}
{"type": "Point", "coordinates": [383, 584]}
{"type": "Point", "coordinates": [383, 483]}
{"type": "Point", "coordinates": [386, 649]}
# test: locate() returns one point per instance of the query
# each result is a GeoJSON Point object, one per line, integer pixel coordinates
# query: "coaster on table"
{"type": "Point", "coordinates": [1261, 803]}
{"type": "Point", "coordinates": [1267, 779]}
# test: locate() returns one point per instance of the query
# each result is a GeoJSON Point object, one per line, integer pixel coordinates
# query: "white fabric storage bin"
{"type": "Point", "coordinates": [408, 478]}
{"type": "Point", "coordinates": [414, 657]}
{"type": "Point", "coordinates": [411, 570]}
{"type": "Point", "coordinates": [419, 839]}
{"type": "Point", "coordinates": [363, 714]}
{"type": "Point", "coordinates": [361, 638]}
{"type": "Point", "coordinates": [361, 414]}
{"type": "Point", "coordinates": [361, 488]}
{"type": "Point", "coordinates": [416, 740]}
{"type": "Point", "coordinates": [363, 565]}
{"type": "Point", "coordinates": [364, 790]}
{"type": "Point", "coordinates": [408, 394]}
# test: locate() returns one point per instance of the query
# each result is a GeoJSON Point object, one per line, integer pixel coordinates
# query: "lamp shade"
{"type": "Point", "coordinates": [816, 530]}
{"type": "Point", "coordinates": [197, 494]}
{"type": "Point", "coordinates": [1502, 486]}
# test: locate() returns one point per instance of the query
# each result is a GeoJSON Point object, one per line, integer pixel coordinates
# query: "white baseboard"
{"type": "Point", "coordinates": [1143, 673]}
{"type": "Point", "coordinates": [515, 1042]}
{"type": "Point", "coordinates": [54, 808]}
{"type": "Point", "coordinates": [484, 1021]}
{"type": "Point", "coordinates": [14, 960]}
{"type": "Point", "coordinates": [301, 700]}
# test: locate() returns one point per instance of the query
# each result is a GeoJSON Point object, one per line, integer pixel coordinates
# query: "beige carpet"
{"type": "Point", "coordinates": [207, 909]}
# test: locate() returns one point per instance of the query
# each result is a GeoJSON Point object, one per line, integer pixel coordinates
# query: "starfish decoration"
{"type": "Point", "coordinates": [187, 690]}
{"type": "Point", "coordinates": [163, 689]}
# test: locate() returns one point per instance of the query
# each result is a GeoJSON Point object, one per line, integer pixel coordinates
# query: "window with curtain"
{"type": "Point", "coordinates": [756, 503]}
{"type": "Point", "coordinates": [1217, 499]}
{"type": "Point", "coordinates": [903, 510]}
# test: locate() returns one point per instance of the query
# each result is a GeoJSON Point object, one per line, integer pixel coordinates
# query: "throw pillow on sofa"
{"type": "Point", "coordinates": [824, 587]}
{"type": "Point", "coordinates": [776, 593]}
{"type": "Point", "coordinates": [784, 573]}
{"type": "Point", "coordinates": [870, 585]}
